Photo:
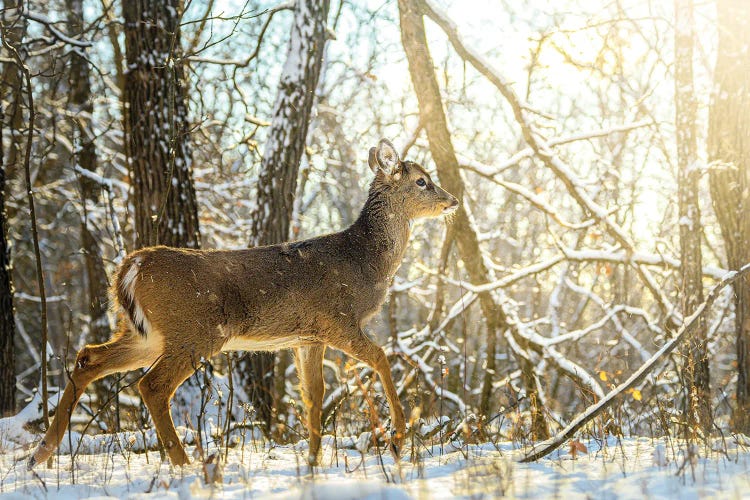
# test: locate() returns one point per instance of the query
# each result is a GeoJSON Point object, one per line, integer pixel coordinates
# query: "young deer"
{"type": "Point", "coordinates": [183, 305]}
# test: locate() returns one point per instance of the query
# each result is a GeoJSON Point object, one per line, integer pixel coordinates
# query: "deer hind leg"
{"type": "Point", "coordinates": [309, 361]}
{"type": "Point", "coordinates": [359, 346]}
{"type": "Point", "coordinates": [123, 353]}
{"type": "Point", "coordinates": [157, 388]}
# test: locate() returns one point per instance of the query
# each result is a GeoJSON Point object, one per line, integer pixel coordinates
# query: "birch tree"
{"type": "Point", "coordinates": [277, 182]}
{"type": "Point", "coordinates": [729, 176]}
{"type": "Point", "coordinates": [696, 371]}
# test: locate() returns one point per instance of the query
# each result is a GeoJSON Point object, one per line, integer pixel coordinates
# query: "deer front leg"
{"type": "Point", "coordinates": [359, 346]}
{"type": "Point", "coordinates": [93, 362]}
{"type": "Point", "coordinates": [309, 361]}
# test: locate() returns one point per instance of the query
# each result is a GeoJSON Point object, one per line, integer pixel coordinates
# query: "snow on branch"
{"type": "Point", "coordinates": [544, 151]}
{"type": "Point", "coordinates": [59, 35]}
{"type": "Point", "coordinates": [107, 185]}
{"type": "Point", "coordinates": [611, 315]}
{"type": "Point", "coordinates": [105, 182]}
{"type": "Point", "coordinates": [548, 446]}
{"type": "Point", "coordinates": [541, 204]}
{"type": "Point", "coordinates": [614, 257]}
{"type": "Point", "coordinates": [640, 258]}
{"type": "Point", "coordinates": [491, 171]}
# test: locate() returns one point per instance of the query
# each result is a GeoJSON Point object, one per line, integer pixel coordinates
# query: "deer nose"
{"type": "Point", "coordinates": [452, 206]}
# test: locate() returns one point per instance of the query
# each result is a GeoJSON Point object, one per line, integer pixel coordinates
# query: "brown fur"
{"type": "Point", "coordinates": [183, 305]}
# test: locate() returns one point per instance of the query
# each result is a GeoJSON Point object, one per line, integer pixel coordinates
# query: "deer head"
{"type": "Point", "coordinates": [408, 184]}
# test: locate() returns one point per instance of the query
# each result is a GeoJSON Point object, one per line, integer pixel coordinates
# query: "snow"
{"type": "Point", "coordinates": [42, 19]}
{"type": "Point", "coordinates": [627, 468]}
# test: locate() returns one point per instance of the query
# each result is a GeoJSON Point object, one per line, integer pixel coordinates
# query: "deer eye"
{"type": "Point", "coordinates": [421, 182]}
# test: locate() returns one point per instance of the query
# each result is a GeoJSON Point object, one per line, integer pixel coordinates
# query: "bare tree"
{"type": "Point", "coordinates": [695, 372]}
{"type": "Point", "coordinates": [10, 88]}
{"type": "Point", "coordinates": [433, 117]}
{"type": "Point", "coordinates": [729, 176]}
{"type": "Point", "coordinates": [82, 108]}
{"type": "Point", "coordinates": [277, 182]}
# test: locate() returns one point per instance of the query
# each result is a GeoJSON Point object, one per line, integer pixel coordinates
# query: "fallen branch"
{"type": "Point", "coordinates": [548, 446]}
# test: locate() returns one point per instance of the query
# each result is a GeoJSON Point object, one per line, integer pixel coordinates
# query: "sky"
{"type": "Point", "coordinates": [507, 33]}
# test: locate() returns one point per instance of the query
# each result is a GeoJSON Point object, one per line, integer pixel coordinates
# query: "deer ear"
{"type": "Point", "coordinates": [372, 161]}
{"type": "Point", "coordinates": [387, 157]}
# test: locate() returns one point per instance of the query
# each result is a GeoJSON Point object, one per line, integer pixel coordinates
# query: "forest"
{"type": "Point", "coordinates": [582, 308]}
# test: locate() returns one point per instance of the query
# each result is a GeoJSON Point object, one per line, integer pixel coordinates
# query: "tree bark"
{"type": "Point", "coordinates": [277, 182]}
{"type": "Point", "coordinates": [7, 325]}
{"type": "Point", "coordinates": [433, 117]}
{"type": "Point", "coordinates": [159, 153]}
{"type": "Point", "coordinates": [13, 28]}
{"type": "Point", "coordinates": [695, 371]}
{"type": "Point", "coordinates": [729, 176]}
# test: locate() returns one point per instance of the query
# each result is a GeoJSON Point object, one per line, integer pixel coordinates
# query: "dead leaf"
{"type": "Point", "coordinates": [577, 447]}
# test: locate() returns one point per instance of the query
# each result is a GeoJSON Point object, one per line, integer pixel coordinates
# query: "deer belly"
{"type": "Point", "coordinates": [267, 344]}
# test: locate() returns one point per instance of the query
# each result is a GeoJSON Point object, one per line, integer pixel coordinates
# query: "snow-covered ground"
{"type": "Point", "coordinates": [629, 468]}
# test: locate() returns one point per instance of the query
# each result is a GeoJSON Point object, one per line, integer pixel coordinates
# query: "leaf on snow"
{"type": "Point", "coordinates": [577, 447]}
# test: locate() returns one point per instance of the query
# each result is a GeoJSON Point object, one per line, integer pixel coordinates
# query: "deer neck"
{"type": "Point", "coordinates": [381, 234]}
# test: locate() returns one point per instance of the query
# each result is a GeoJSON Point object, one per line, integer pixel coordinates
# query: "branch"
{"type": "Point", "coordinates": [541, 204]}
{"type": "Point", "coordinates": [544, 152]}
{"type": "Point", "coordinates": [242, 63]}
{"type": "Point", "coordinates": [571, 255]}
{"type": "Point", "coordinates": [59, 35]}
{"type": "Point", "coordinates": [546, 447]}
{"type": "Point", "coordinates": [490, 171]}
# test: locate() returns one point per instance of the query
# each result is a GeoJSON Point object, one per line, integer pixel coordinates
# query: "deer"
{"type": "Point", "coordinates": [177, 306]}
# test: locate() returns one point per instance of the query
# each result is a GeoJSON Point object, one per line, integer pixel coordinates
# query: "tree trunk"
{"type": "Point", "coordinates": [729, 177]}
{"type": "Point", "coordinates": [433, 117]}
{"type": "Point", "coordinates": [695, 372]}
{"type": "Point", "coordinates": [159, 155]}
{"type": "Point", "coordinates": [7, 325]}
{"type": "Point", "coordinates": [14, 28]}
{"type": "Point", "coordinates": [277, 182]}
{"type": "Point", "coordinates": [82, 109]}
{"type": "Point", "coordinates": [160, 159]}
{"type": "Point", "coordinates": [10, 91]}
